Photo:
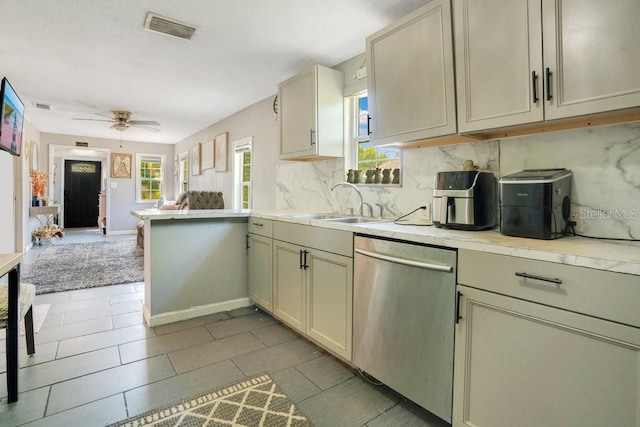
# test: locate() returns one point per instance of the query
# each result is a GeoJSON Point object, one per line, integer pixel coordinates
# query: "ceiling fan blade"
{"type": "Point", "coordinates": [92, 120]}
{"type": "Point", "coordinates": [144, 122]}
{"type": "Point", "coordinates": [145, 127]}
{"type": "Point", "coordinates": [104, 115]}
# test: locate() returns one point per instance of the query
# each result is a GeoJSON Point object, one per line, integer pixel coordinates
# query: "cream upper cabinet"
{"type": "Point", "coordinates": [524, 61]}
{"type": "Point", "coordinates": [498, 47]}
{"type": "Point", "coordinates": [544, 344]}
{"type": "Point", "coordinates": [592, 50]}
{"type": "Point", "coordinates": [311, 111]}
{"type": "Point", "coordinates": [411, 77]}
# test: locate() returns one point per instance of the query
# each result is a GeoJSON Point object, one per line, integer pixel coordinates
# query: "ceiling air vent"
{"type": "Point", "coordinates": [164, 25]}
{"type": "Point", "coordinates": [42, 106]}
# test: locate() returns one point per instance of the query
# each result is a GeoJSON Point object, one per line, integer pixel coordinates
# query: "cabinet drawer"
{"type": "Point", "coordinates": [325, 239]}
{"type": "Point", "coordinates": [260, 226]}
{"type": "Point", "coordinates": [608, 295]}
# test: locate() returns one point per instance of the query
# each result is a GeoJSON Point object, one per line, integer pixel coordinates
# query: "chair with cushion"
{"type": "Point", "coordinates": [188, 200]}
{"type": "Point", "coordinates": [27, 296]}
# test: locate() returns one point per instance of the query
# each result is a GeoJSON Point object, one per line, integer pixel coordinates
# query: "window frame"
{"type": "Point", "coordinates": [140, 157]}
{"type": "Point", "coordinates": [353, 139]}
{"type": "Point", "coordinates": [239, 148]}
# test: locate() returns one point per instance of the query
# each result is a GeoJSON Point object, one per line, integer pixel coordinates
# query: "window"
{"type": "Point", "coordinates": [242, 173]}
{"type": "Point", "coordinates": [183, 171]}
{"type": "Point", "coordinates": [149, 177]}
{"type": "Point", "coordinates": [364, 156]}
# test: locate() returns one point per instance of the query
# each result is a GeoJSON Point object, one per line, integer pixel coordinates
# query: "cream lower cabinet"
{"type": "Point", "coordinates": [260, 270]}
{"type": "Point", "coordinates": [313, 288]}
{"type": "Point", "coordinates": [289, 280]}
{"type": "Point", "coordinates": [524, 363]}
{"type": "Point", "coordinates": [260, 248]}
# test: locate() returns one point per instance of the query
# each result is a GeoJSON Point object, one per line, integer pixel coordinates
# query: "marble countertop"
{"type": "Point", "coordinates": [158, 214]}
{"type": "Point", "coordinates": [615, 256]}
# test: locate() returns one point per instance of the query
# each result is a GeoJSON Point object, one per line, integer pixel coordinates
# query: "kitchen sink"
{"type": "Point", "coordinates": [355, 219]}
{"type": "Point", "coordinates": [336, 217]}
{"type": "Point", "coordinates": [318, 216]}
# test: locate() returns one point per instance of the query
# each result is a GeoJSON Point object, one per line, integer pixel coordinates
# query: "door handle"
{"type": "Point", "coordinates": [311, 132]}
{"type": "Point", "coordinates": [304, 265]}
{"type": "Point", "coordinates": [548, 79]}
{"type": "Point", "coordinates": [534, 83]}
{"type": "Point", "coordinates": [368, 124]}
{"type": "Point", "coordinates": [541, 278]}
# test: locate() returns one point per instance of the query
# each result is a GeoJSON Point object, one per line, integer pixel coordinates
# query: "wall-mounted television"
{"type": "Point", "coordinates": [11, 116]}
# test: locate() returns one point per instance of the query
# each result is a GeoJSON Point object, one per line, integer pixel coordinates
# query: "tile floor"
{"type": "Point", "coordinates": [96, 362]}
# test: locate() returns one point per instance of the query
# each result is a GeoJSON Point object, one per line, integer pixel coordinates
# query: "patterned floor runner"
{"type": "Point", "coordinates": [255, 401]}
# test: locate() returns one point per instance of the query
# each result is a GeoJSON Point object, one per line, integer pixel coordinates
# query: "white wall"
{"type": "Point", "coordinates": [7, 213]}
{"type": "Point", "coordinates": [257, 121]}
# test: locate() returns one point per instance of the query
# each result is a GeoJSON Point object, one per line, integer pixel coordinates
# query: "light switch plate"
{"type": "Point", "coordinates": [114, 184]}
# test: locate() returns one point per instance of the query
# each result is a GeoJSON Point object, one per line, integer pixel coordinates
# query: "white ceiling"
{"type": "Point", "coordinates": [85, 57]}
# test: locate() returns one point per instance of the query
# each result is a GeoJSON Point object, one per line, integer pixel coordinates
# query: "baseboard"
{"type": "Point", "coordinates": [190, 313]}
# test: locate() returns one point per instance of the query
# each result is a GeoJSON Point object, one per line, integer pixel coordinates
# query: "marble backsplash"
{"type": "Point", "coordinates": [605, 162]}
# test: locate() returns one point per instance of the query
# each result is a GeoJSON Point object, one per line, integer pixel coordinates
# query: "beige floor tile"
{"type": "Point", "coordinates": [213, 352]}
{"type": "Point", "coordinates": [325, 371]}
{"type": "Point", "coordinates": [275, 334]}
{"type": "Point", "coordinates": [136, 296]}
{"type": "Point", "coordinates": [407, 414]}
{"type": "Point", "coordinates": [58, 333]}
{"type": "Point", "coordinates": [278, 357]}
{"type": "Point", "coordinates": [173, 389]}
{"type": "Point", "coordinates": [99, 413]}
{"type": "Point", "coordinates": [101, 291]}
{"type": "Point", "coordinates": [351, 403]}
{"type": "Point", "coordinates": [52, 319]}
{"type": "Point", "coordinates": [240, 325]}
{"type": "Point", "coordinates": [48, 373]}
{"type": "Point", "coordinates": [102, 311]}
{"type": "Point", "coordinates": [99, 385]}
{"type": "Point", "coordinates": [295, 385]}
{"type": "Point", "coordinates": [29, 407]}
{"type": "Point", "coordinates": [186, 324]}
{"type": "Point", "coordinates": [44, 353]}
{"type": "Point", "coordinates": [104, 339]}
{"type": "Point", "coordinates": [163, 344]}
{"type": "Point", "coordinates": [128, 319]}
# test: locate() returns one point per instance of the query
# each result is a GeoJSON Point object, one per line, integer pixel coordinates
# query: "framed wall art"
{"type": "Point", "coordinates": [221, 152]}
{"type": "Point", "coordinates": [207, 155]}
{"type": "Point", "coordinates": [120, 165]}
{"type": "Point", "coordinates": [195, 159]}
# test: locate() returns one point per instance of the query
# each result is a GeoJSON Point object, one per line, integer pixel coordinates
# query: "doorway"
{"type": "Point", "coordinates": [82, 183]}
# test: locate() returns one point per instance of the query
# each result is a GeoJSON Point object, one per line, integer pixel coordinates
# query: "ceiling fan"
{"type": "Point", "coordinates": [122, 121]}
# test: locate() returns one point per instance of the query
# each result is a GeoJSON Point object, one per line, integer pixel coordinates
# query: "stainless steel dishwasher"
{"type": "Point", "coordinates": [404, 314]}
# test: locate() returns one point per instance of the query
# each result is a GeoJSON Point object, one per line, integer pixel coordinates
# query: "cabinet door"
{"type": "Point", "coordinates": [260, 271]}
{"type": "Point", "coordinates": [297, 105]}
{"type": "Point", "coordinates": [592, 49]}
{"type": "Point", "coordinates": [411, 77]}
{"type": "Point", "coordinates": [498, 46]}
{"type": "Point", "coordinates": [330, 301]}
{"type": "Point", "coordinates": [519, 363]}
{"type": "Point", "coordinates": [289, 295]}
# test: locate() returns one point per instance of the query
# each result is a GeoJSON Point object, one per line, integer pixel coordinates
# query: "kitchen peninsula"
{"type": "Point", "coordinates": [195, 263]}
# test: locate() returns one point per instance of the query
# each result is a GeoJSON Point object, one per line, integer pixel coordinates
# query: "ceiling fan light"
{"type": "Point", "coordinates": [120, 126]}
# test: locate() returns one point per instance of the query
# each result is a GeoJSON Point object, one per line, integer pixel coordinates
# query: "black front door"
{"type": "Point", "coordinates": [81, 188]}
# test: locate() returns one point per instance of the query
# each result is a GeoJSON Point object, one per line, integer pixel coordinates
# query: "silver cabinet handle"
{"type": "Point", "coordinates": [403, 261]}
{"type": "Point", "coordinates": [311, 132]}
{"type": "Point", "coordinates": [544, 279]}
{"type": "Point", "coordinates": [257, 224]}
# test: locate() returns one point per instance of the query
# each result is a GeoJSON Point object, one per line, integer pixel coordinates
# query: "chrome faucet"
{"type": "Point", "coordinates": [362, 202]}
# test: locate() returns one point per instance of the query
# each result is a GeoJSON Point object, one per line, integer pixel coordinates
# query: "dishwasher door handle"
{"type": "Point", "coordinates": [403, 261]}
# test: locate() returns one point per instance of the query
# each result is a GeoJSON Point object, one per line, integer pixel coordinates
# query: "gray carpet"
{"type": "Point", "coordinates": [85, 265]}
